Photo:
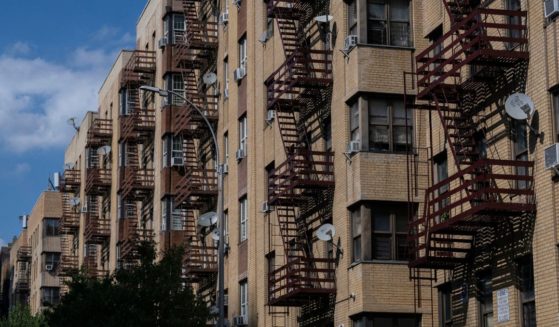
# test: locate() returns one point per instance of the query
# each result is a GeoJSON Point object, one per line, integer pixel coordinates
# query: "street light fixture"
{"type": "Point", "coordinates": [221, 245]}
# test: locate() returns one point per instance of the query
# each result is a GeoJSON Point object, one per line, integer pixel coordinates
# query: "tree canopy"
{"type": "Point", "coordinates": [151, 294]}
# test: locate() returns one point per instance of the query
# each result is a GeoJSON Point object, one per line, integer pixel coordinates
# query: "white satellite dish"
{"type": "Point", "coordinates": [208, 219]}
{"type": "Point", "coordinates": [324, 18]}
{"type": "Point", "coordinates": [519, 106]}
{"type": "Point", "coordinates": [215, 235]}
{"type": "Point", "coordinates": [209, 78]}
{"type": "Point", "coordinates": [69, 165]}
{"type": "Point", "coordinates": [326, 232]}
{"type": "Point", "coordinates": [74, 202]}
{"type": "Point", "coordinates": [104, 150]}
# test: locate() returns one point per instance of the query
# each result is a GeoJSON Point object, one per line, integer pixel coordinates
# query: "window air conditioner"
{"type": "Point", "coordinates": [350, 42]}
{"type": "Point", "coordinates": [266, 207]}
{"type": "Point", "coordinates": [224, 17]}
{"type": "Point", "coordinates": [225, 169]}
{"type": "Point", "coordinates": [239, 73]}
{"type": "Point", "coordinates": [163, 42]}
{"type": "Point", "coordinates": [240, 321]}
{"type": "Point", "coordinates": [551, 8]}
{"type": "Point", "coordinates": [226, 93]}
{"type": "Point", "coordinates": [271, 115]}
{"type": "Point", "coordinates": [84, 209]}
{"type": "Point", "coordinates": [177, 161]}
{"type": "Point", "coordinates": [353, 147]}
{"type": "Point", "coordinates": [49, 267]}
{"type": "Point", "coordinates": [551, 156]}
{"type": "Point", "coordinates": [240, 154]}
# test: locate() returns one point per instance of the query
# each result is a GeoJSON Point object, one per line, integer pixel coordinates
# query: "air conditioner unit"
{"type": "Point", "coordinates": [240, 154]}
{"type": "Point", "coordinates": [49, 267]}
{"type": "Point", "coordinates": [350, 42]}
{"type": "Point", "coordinates": [226, 93]}
{"type": "Point", "coordinates": [177, 161]}
{"type": "Point", "coordinates": [163, 42]}
{"type": "Point", "coordinates": [353, 147]}
{"type": "Point", "coordinates": [240, 321]}
{"type": "Point", "coordinates": [551, 156]}
{"type": "Point", "coordinates": [266, 207]}
{"type": "Point", "coordinates": [237, 3]}
{"type": "Point", "coordinates": [84, 209]}
{"type": "Point", "coordinates": [225, 169]}
{"type": "Point", "coordinates": [239, 73]}
{"type": "Point", "coordinates": [271, 115]}
{"type": "Point", "coordinates": [551, 8]}
{"type": "Point", "coordinates": [224, 17]}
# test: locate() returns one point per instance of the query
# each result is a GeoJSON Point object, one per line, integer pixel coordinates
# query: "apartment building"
{"type": "Point", "coordinates": [373, 173]}
{"type": "Point", "coordinates": [4, 279]}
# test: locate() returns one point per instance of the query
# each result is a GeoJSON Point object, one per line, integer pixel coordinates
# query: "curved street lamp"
{"type": "Point", "coordinates": [221, 245]}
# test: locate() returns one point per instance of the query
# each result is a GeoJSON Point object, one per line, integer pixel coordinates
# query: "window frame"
{"type": "Point", "coordinates": [485, 297]}
{"type": "Point", "coordinates": [392, 233]}
{"type": "Point", "coordinates": [387, 22]}
{"type": "Point", "coordinates": [243, 299]}
{"type": "Point", "coordinates": [356, 235]}
{"type": "Point", "coordinates": [243, 219]}
{"type": "Point", "coordinates": [389, 123]}
{"type": "Point", "coordinates": [51, 227]}
{"type": "Point", "coordinates": [243, 56]}
{"type": "Point", "coordinates": [352, 18]}
{"type": "Point", "coordinates": [225, 78]}
{"type": "Point", "coordinates": [527, 291]}
{"type": "Point", "coordinates": [445, 305]}
{"type": "Point", "coordinates": [50, 296]}
{"type": "Point", "coordinates": [520, 150]}
{"type": "Point", "coordinates": [243, 134]}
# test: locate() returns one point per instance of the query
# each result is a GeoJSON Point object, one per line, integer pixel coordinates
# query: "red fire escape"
{"type": "Point", "coordinates": [23, 262]}
{"type": "Point", "coordinates": [461, 78]}
{"type": "Point", "coordinates": [193, 53]}
{"type": "Point", "coordinates": [136, 177]}
{"type": "Point", "coordinates": [97, 189]}
{"type": "Point", "coordinates": [301, 188]}
{"type": "Point", "coordinates": [69, 222]}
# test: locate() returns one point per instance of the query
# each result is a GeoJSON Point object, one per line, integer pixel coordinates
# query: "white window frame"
{"type": "Point", "coordinates": [243, 219]}
{"type": "Point", "coordinates": [243, 134]}
{"type": "Point", "coordinates": [226, 75]}
{"type": "Point", "coordinates": [226, 147]}
{"type": "Point", "coordinates": [243, 53]}
{"type": "Point", "coordinates": [177, 31]}
{"type": "Point", "coordinates": [243, 298]}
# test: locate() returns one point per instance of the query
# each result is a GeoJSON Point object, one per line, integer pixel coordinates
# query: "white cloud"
{"type": "Point", "coordinates": [22, 168]}
{"type": "Point", "coordinates": [37, 97]}
{"type": "Point", "coordinates": [18, 48]}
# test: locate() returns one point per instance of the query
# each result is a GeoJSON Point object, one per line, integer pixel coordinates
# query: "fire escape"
{"type": "Point", "coordinates": [302, 187]}
{"type": "Point", "coordinates": [137, 129]}
{"type": "Point", "coordinates": [466, 218]}
{"type": "Point", "coordinates": [194, 54]}
{"type": "Point", "coordinates": [97, 227]}
{"type": "Point", "coordinates": [22, 283]}
{"type": "Point", "coordinates": [69, 225]}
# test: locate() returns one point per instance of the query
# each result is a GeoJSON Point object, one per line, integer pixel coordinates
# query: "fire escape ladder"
{"type": "Point", "coordinates": [287, 14]}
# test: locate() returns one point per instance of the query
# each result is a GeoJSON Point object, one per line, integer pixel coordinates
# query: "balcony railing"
{"type": "Point", "coordinates": [96, 229]}
{"type": "Point", "coordinates": [71, 179]}
{"type": "Point", "coordinates": [136, 182]}
{"type": "Point", "coordinates": [100, 132]}
{"type": "Point", "coordinates": [24, 254]}
{"type": "Point", "coordinates": [197, 183]}
{"type": "Point", "coordinates": [140, 64]}
{"type": "Point", "coordinates": [98, 180]}
{"type": "Point", "coordinates": [140, 123]}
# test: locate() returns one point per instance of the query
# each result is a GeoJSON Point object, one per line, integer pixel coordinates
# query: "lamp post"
{"type": "Point", "coordinates": [221, 244]}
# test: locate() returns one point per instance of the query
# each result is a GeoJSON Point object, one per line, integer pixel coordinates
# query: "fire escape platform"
{"type": "Point", "coordinates": [98, 181]}
{"type": "Point", "coordinates": [100, 132]}
{"type": "Point", "coordinates": [136, 182]}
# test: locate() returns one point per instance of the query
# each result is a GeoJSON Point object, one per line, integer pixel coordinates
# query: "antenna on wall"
{"type": "Point", "coordinates": [72, 122]}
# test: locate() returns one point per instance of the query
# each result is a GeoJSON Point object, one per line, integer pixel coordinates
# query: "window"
{"type": "Point", "coordinates": [354, 121]}
{"type": "Point", "coordinates": [171, 145]}
{"type": "Point", "coordinates": [390, 229]}
{"type": "Point", "coordinates": [445, 305]}
{"type": "Point", "coordinates": [243, 135]}
{"type": "Point", "coordinates": [389, 125]}
{"type": "Point", "coordinates": [50, 296]}
{"type": "Point", "coordinates": [243, 292]}
{"type": "Point", "coordinates": [226, 147]}
{"type": "Point", "coordinates": [123, 102]}
{"type": "Point", "coordinates": [513, 5]}
{"type": "Point", "coordinates": [441, 170]}
{"type": "Point", "coordinates": [51, 226]}
{"type": "Point", "coordinates": [175, 83]}
{"type": "Point", "coordinates": [226, 78]}
{"type": "Point", "coordinates": [520, 150]}
{"type": "Point", "coordinates": [388, 22]}
{"type": "Point", "coordinates": [177, 25]}
{"type": "Point", "coordinates": [52, 259]}
{"type": "Point", "coordinates": [243, 219]}
{"type": "Point", "coordinates": [352, 17]}
{"type": "Point", "coordinates": [485, 299]}
{"type": "Point", "coordinates": [385, 320]}
{"type": "Point", "coordinates": [356, 234]}
{"type": "Point", "coordinates": [555, 96]}
{"type": "Point", "coordinates": [171, 217]}
{"type": "Point", "coordinates": [527, 295]}
{"type": "Point", "coordinates": [269, 174]}
{"type": "Point", "coordinates": [434, 36]}
{"type": "Point", "coordinates": [243, 52]}
{"type": "Point", "coordinates": [226, 225]}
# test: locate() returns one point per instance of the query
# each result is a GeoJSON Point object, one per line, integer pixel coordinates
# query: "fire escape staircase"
{"type": "Point", "coordinates": [483, 191]}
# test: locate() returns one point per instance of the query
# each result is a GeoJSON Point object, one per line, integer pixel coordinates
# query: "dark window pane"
{"type": "Point", "coordinates": [376, 32]}
{"type": "Point", "coordinates": [402, 247]}
{"type": "Point", "coordinates": [382, 247]}
{"type": "Point", "coordinates": [401, 222]}
{"type": "Point", "coordinates": [529, 314]}
{"type": "Point", "coordinates": [379, 138]}
{"type": "Point", "coordinates": [376, 10]}
{"type": "Point", "coordinates": [399, 34]}
{"type": "Point", "coordinates": [381, 221]}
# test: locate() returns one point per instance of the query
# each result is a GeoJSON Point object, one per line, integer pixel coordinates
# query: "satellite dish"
{"type": "Point", "coordinates": [215, 235]}
{"type": "Point", "coordinates": [326, 232]}
{"type": "Point", "coordinates": [209, 78]}
{"type": "Point", "coordinates": [324, 19]}
{"type": "Point", "coordinates": [208, 219]}
{"type": "Point", "coordinates": [74, 202]}
{"type": "Point", "coordinates": [104, 150]}
{"type": "Point", "coordinates": [69, 165]}
{"type": "Point", "coordinates": [519, 106]}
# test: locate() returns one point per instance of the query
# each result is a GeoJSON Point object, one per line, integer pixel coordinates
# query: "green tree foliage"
{"type": "Point", "coordinates": [152, 294]}
{"type": "Point", "coordinates": [20, 316]}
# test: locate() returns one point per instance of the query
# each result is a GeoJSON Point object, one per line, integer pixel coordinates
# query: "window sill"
{"type": "Point", "coordinates": [385, 46]}
{"type": "Point", "coordinates": [383, 262]}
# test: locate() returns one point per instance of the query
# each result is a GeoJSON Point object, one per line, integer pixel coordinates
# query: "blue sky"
{"type": "Point", "coordinates": [54, 56]}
